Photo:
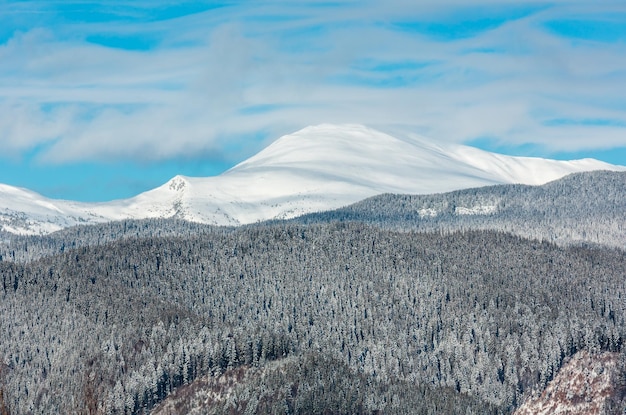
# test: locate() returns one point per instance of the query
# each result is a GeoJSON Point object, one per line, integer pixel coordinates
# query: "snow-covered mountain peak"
{"type": "Point", "coordinates": [323, 144]}
{"type": "Point", "coordinates": [317, 168]}
{"type": "Point", "coordinates": [178, 184]}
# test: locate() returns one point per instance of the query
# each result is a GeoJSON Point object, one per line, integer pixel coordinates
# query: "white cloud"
{"type": "Point", "coordinates": [209, 80]}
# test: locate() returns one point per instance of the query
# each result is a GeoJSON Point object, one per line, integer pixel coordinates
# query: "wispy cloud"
{"type": "Point", "coordinates": [161, 80]}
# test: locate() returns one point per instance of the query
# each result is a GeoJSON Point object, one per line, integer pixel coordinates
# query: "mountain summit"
{"type": "Point", "coordinates": [317, 168]}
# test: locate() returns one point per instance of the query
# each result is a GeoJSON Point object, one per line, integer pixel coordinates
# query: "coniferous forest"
{"type": "Point", "coordinates": [335, 315]}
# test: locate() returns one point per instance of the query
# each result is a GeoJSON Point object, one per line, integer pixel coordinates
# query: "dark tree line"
{"type": "Point", "coordinates": [25, 248]}
{"type": "Point", "coordinates": [479, 317]}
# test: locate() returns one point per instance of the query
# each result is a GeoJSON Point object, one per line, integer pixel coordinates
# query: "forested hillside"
{"type": "Point", "coordinates": [25, 248]}
{"type": "Point", "coordinates": [445, 322]}
{"type": "Point", "coordinates": [582, 208]}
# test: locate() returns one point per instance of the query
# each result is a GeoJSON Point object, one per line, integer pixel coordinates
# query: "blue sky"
{"type": "Point", "coordinates": [103, 100]}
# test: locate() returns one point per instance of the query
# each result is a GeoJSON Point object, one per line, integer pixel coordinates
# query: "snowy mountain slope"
{"type": "Point", "coordinates": [318, 168]}
{"type": "Point", "coordinates": [26, 212]}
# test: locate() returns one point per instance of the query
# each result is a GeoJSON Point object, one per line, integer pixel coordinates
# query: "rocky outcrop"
{"type": "Point", "coordinates": [588, 384]}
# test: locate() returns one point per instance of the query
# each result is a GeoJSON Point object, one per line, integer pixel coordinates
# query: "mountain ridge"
{"type": "Point", "coordinates": [315, 169]}
{"type": "Point", "coordinates": [581, 208]}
